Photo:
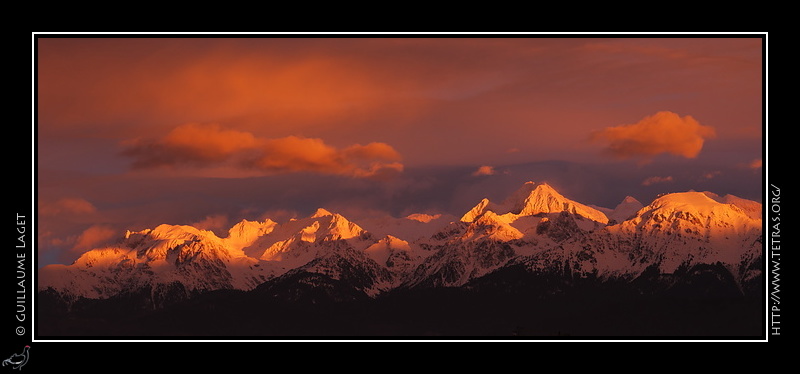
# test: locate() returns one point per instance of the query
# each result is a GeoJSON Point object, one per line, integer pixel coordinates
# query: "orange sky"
{"type": "Point", "coordinates": [414, 92]}
{"type": "Point", "coordinates": [374, 110]}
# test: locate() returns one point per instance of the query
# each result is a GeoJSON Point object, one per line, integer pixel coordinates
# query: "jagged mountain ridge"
{"type": "Point", "coordinates": [536, 228]}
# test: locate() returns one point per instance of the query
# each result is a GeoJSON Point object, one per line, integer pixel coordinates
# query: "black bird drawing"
{"type": "Point", "coordinates": [18, 359]}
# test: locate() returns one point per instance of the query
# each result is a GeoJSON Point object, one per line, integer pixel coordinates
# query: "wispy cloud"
{"type": "Point", "coordinates": [653, 180]}
{"type": "Point", "coordinates": [711, 175]}
{"type": "Point", "coordinates": [70, 205]}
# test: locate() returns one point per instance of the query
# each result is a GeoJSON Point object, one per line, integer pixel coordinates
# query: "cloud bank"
{"type": "Point", "coordinates": [211, 146]}
{"type": "Point", "coordinates": [663, 132]}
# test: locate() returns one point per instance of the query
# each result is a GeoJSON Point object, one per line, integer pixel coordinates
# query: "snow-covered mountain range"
{"type": "Point", "coordinates": [535, 228]}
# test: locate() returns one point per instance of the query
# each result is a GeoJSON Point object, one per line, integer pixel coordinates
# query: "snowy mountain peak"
{"type": "Point", "coordinates": [541, 199]}
{"type": "Point", "coordinates": [687, 201]}
{"type": "Point", "coordinates": [490, 225]}
{"type": "Point", "coordinates": [341, 228]}
{"type": "Point", "coordinates": [751, 208]}
{"type": "Point", "coordinates": [532, 199]}
{"type": "Point", "coordinates": [630, 200]}
{"type": "Point", "coordinates": [309, 233]}
{"type": "Point", "coordinates": [392, 252]}
{"type": "Point", "coordinates": [694, 211]}
{"type": "Point", "coordinates": [545, 199]}
{"type": "Point", "coordinates": [476, 211]}
{"type": "Point", "coordinates": [100, 257]}
{"type": "Point", "coordinates": [332, 226]}
{"type": "Point", "coordinates": [165, 231]}
{"type": "Point", "coordinates": [625, 209]}
{"type": "Point", "coordinates": [516, 201]}
{"type": "Point", "coordinates": [321, 212]}
{"type": "Point", "coordinates": [155, 243]}
{"type": "Point", "coordinates": [247, 230]}
{"type": "Point", "coordinates": [390, 242]}
{"type": "Point", "coordinates": [692, 227]}
{"type": "Point", "coordinates": [246, 233]}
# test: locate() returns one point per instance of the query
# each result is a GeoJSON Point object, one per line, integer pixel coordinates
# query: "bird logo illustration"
{"type": "Point", "coordinates": [18, 359]}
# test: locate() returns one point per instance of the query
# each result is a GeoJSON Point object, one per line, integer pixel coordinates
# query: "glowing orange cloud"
{"type": "Point", "coordinates": [663, 132]}
{"type": "Point", "coordinates": [484, 170]}
{"type": "Point", "coordinates": [203, 146]}
{"type": "Point", "coordinates": [93, 237]}
{"type": "Point", "coordinates": [214, 222]}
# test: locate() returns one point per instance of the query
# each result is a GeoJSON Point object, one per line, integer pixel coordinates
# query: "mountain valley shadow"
{"type": "Point", "coordinates": [521, 306]}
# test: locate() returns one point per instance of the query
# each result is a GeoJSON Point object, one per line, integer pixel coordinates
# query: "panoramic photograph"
{"type": "Point", "coordinates": [395, 187]}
